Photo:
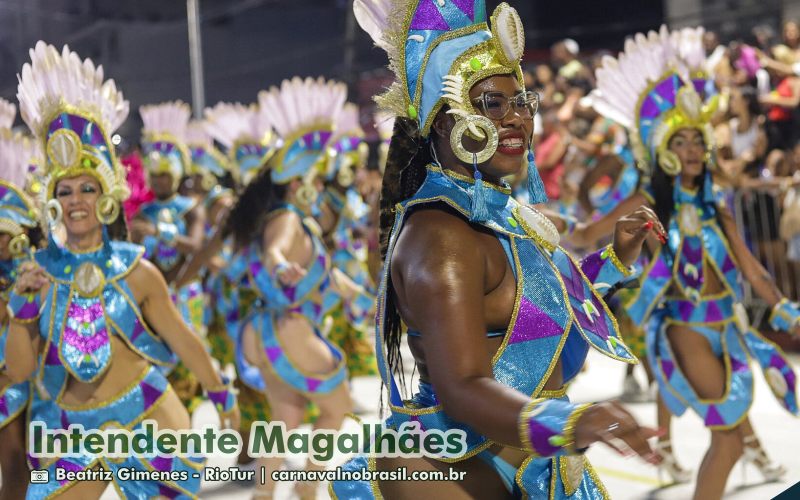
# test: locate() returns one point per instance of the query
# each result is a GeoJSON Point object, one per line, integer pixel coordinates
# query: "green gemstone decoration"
{"type": "Point", "coordinates": [68, 269]}
{"type": "Point", "coordinates": [412, 112]}
{"type": "Point", "coordinates": [613, 341]}
{"type": "Point", "coordinates": [604, 253]}
{"type": "Point", "coordinates": [475, 64]}
{"type": "Point", "coordinates": [108, 263]}
{"type": "Point", "coordinates": [512, 222]}
{"type": "Point", "coordinates": [557, 440]}
{"type": "Point", "coordinates": [87, 358]}
{"type": "Point", "coordinates": [87, 163]}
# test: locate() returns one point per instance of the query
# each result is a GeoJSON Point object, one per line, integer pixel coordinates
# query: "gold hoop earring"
{"type": "Point", "coordinates": [19, 245]}
{"type": "Point", "coordinates": [54, 213]}
{"type": "Point", "coordinates": [669, 163]}
{"type": "Point", "coordinates": [457, 135]}
{"type": "Point", "coordinates": [106, 209]}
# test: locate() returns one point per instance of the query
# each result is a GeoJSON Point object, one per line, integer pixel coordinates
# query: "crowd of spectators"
{"type": "Point", "coordinates": [757, 128]}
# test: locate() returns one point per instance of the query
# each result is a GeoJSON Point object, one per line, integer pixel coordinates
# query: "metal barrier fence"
{"type": "Point", "coordinates": [758, 213]}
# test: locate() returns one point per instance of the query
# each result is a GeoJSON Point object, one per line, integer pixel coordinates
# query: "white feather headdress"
{"type": "Point", "coordinates": [71, 110]}
{"type": "Point", "coordinates": [230, 124]}
{"type": "Point", "coordinates": [53, 82]}
{"type": "Point", "coordinates": [654, 87]}
{"type": "Point", "coordinates": [163, 138]}
{"type": "Point", "coordinates": [8, 111]}
{"type": "Point", "coordinates": [303, 112]}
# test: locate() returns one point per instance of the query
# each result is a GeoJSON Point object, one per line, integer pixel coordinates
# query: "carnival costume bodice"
{"type": "Point", "coordinates": [674, 292]}
{"type": "Point", "coordinates": [89, 300]}
{"type": "Point", "coordinates": [558, 312]}
{"type": "Point", "coordinates": [169, 217]}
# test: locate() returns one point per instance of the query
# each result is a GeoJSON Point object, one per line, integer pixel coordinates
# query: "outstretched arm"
{"type": "Point", "coordinates": [761, 281]}
{"type": "Point", "coordinates": [152, 293]}
{"type": "Point", "coordinates": [586, 234]}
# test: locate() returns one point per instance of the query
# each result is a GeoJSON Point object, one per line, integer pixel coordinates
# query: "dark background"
{"type": "Point", "coordinates": [249, 45]}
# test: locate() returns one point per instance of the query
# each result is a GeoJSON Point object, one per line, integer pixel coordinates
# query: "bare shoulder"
{"type": "Point", "coordinates": [435, 235]}
{"type": "Point", "coordinates": [145, 278]}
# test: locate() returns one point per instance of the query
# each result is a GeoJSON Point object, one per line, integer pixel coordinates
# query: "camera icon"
{"type": "Point", "coordinates": [40, 476]}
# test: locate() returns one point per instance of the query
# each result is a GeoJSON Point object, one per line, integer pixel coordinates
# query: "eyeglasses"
{"type": "Point", "coordinates": [496, 105]}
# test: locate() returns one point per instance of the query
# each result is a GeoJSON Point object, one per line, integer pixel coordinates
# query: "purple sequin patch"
{"type": "Point", "coordinates": [532, 323]}
{"type": "Point", "coordinates": [428, 17]}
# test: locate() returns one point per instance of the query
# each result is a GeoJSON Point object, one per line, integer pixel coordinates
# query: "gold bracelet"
{"type": "Point", "coordinates": [569, 428]}
{"type": "Point", "coordinates": [611, 255]}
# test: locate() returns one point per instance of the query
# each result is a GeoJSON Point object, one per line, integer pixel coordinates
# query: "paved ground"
{"type": "Point", "coordinates": [626, 479]}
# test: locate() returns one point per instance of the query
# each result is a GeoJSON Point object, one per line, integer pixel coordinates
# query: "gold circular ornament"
{"type": "Point", "coordinates": [53, 212]}
{"type": "Point", "coordinates": [669, 163]}
{"type": "Point", "coordinates": [64, 149]}
{"type": "Point", "coordinates": [689, 220]}
{"type": "Point", "coordinates": [106, 209]}
{"type": "Point", "coordinates": [19, 245]}
{"type": "Point", "coordinates": [306, 195]}
{"type": "Point", "coordinates": [89, 280]}
{"type": "Point", "coordinates": [460, 129]}
{"type": "Point", "coordinates": [776, 381]}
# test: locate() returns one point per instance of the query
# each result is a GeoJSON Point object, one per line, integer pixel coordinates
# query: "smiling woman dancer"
{"type": "Point", "coordinates": [499, 317]}
{"type": "Point", "coordinates": [699, 340]}
{"type": "Point", "coordinates": [92, 322]}
{"type": "Point", "coordinates": [280, 349]}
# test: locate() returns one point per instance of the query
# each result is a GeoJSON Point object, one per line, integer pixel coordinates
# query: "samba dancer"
{"type": "Point", "coordinates": [499, 317]}
{"type": "Point", "coordinates": [699, 340]}
{"type": "Point", "coordinates": [92, 321]}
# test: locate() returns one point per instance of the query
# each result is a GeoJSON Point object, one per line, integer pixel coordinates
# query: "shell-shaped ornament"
{"type": "Point", "coordinates": [537, 225]}
{"type": "Point", "coordinates": [64, 149]}
{"type": "Point", "coordinates": [508, 31]}
{"type": "Point", "coordinates": [689, 102]}
{"type": "Point", "coordinates": [776, 381]}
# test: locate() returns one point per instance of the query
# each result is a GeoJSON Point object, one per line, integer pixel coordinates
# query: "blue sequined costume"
{"type": "Point", "coordinates": [673, 293]}
{"type": "Point", "coordinates": [311, 298]}
{"type": "Point", "coordinates": [559, 315]}
{"type": "Point", "coordinates": [88, 302]}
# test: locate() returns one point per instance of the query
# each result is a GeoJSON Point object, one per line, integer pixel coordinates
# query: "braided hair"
{"type": "Point", "coordinates": [405, 172]}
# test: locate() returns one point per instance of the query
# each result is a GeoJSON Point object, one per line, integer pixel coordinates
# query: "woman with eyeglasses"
{"type": "Point", "coordinates": [699, 339]}
{"type": "Point", "coordinates": [498, 317]}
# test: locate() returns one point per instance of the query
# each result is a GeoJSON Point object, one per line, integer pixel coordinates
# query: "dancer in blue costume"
{"type": "Point", "coordinates": [345, 222]}
{"type": "Point", "coordinates": [499, 317]}
{"type": "Point", "coordinates": [19, 232]}
{"type": "Point", "coordinates": [92, 323]}
{"type": "Point", "coordinates": [280, 256]}
{"type": "Point", "coordinates": [699, 340]}
{"type": "Point", "coordinates": [171, 227]}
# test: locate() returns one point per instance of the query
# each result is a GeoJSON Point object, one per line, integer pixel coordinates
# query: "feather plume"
{"type": "Point", "coordinates": [8, 111]}
{"type": "Point", "coordinates": [231, 123]}
{"type": "Point", "coordinates": [166, 118]}
{"type": "Point", "coordinates": [17, 154]}
{"type": "Point", "coordinates": [53, 80]}
{"type": "Point", "coordinates": [621, 81]}
{"type": "Point", "coordinates": [196, 134]}
{"type": "Point", "coordinates": [300, 103]}
{"type": "Point", "coordinates": [384, 124]}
